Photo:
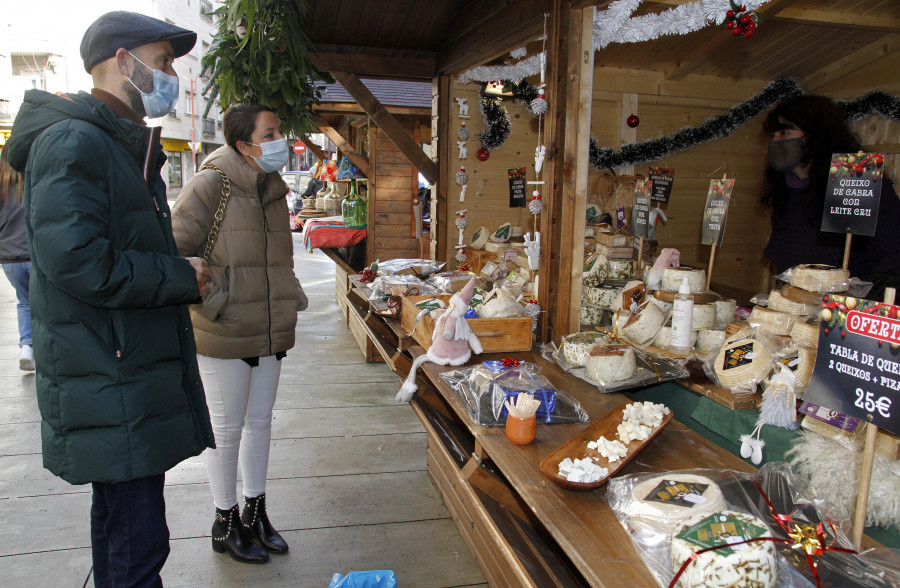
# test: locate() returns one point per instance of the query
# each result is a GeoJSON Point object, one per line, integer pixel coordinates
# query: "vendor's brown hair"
{"type": "Point", "coordinates": [10, 182]}
{"type": "Point", "coordinates": [826, 130]}
{"type": "Point", "coordinates": [239, 122]}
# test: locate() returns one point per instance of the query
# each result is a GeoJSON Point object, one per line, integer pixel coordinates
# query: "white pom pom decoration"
{"type": "Point", "coordinates": [462, 177]}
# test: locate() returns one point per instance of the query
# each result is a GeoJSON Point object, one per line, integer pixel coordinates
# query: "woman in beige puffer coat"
{"type": "Point", "coordinates": [246, 323]}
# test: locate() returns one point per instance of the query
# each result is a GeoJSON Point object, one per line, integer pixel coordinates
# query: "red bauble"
{"type": "Point", "coordinates": [633, 121]}
{"type": "Point", "coordinates": [482, 154]}
{"type": "Point", "coordinates": [751, 26]}
{"type": "Point", "coordinates": [729, 25]}
{"type": "Point", "coordinates": [736, 31]}
{"type": "Point", "coordinates": [749, 33]}
{"type": "Point", "coordinates": [730, 13]}
{"type": "Point", "coordinates": [745, 19]}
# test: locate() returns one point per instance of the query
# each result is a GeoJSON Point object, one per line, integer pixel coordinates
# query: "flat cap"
{"type": "Point", "coordinates": [129, 30]}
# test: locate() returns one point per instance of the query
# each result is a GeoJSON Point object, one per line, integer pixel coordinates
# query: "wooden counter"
{"type": "Point", "coordinates": [581, 524]}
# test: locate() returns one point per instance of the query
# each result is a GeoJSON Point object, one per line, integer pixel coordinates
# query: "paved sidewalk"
{"type": "Point", "coordinates": [347, 480]}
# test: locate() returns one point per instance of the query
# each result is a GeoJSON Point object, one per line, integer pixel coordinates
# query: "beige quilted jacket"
{"type": "Point", "coordinates": [251, 308]}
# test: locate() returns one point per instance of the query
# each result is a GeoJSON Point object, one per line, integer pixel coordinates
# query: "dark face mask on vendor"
{"type": "Point", "coordinates": [787, 154]}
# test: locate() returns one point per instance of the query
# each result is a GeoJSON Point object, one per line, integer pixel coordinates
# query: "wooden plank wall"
{"type": "Point", "coordinates": [665, 107]}
{"type": "Point", "coordinates": [397, 185]}
{"type": "Point", "coordinates": [487, 197]}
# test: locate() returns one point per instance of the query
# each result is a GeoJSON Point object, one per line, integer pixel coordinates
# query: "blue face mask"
{"type": "Point", "coordinates": [274, 155]}
{"type": "Point", "coordinates": [161, 100]}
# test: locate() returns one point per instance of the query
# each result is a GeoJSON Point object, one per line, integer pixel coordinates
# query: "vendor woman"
{"type": "Point", "coordinates": [805, 131]}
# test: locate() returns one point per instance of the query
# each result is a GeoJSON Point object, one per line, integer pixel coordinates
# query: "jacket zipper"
{"type": "Point", "coordinates": [115, 339]}
{"type": "Point", "coordinates": [266, 261]}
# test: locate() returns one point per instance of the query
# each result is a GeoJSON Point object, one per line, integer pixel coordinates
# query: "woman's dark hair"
{"type": "Point", "coordinates": [10, 182]}
{"type": "Point", "coordinates": [826, 131]}
{"type": "Point", "coordinates": [239, 122]}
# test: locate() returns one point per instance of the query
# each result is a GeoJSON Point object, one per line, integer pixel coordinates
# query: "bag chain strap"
{"type": "Point", "coordinates": [220, 212]}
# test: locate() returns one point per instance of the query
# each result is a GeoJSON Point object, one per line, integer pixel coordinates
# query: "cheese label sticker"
{"type": "Point", "coordinates": [476, 235]}
{"type": "Point", "coordinates": [686, 494]}
{"type": "Point", "coordinates": [720, 529]}
{"type": "Point", "coordinates": [738, 356]}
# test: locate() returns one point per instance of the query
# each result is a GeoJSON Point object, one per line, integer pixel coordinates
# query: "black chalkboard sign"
{"type": "Point", "coordinates": [517, 187]}
{"type": "Point", "coordinates": [716, 212]}
{"type": "Point", "coordinates": [662, 179]}
{"type": "Point", "coordinates": [853, 193]}
{"type": "Point", "coordinates": [857, 370]}
{"type": "Point", "coordinates": [640, 211]}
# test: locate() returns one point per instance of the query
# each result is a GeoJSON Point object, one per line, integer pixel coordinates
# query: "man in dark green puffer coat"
{"type": "Point", "coordinates": [117, 380]}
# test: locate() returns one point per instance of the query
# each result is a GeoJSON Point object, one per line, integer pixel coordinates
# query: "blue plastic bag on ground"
{"type": "Point", "coordinates": [370, 579]}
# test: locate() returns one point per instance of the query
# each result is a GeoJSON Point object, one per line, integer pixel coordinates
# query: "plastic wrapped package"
{"type": "Point", "coordinates": [744, 523]}
{"type": "Point", "coordinates": [781, 304]}
{"type": "Point", "coordinates": [499, 303]}
{"type": "Point", "coordinates": [772, 321]}
{"type": "Point", "coordinates": [453, 281]}
{"type": "Point", "coordinates": [806, 332]}
{"type": "Point", "coordinates": [484, 388]}
{"type": "Point", "coordinates": [817, 278]}
{"type": "Point", "coordinates": [400, 285]}
{"type": "Point", "coordinates": [743, 361]}
{"type": "Point", "coordinates": [648, 369]}
{"type": "Point", "coordinates": [800, 360]}
{"type": "Point", "coordinates": [419, 267]}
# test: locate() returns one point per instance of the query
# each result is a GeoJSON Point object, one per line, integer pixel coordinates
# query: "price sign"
{"type": "Point", "coordinates": [662, 179]}
{"type": "Point", "coordinates": [716, 211]}
{"type": "Point", "coordinates": [516, 187]}
{"type": "Point", "coordinates": [857, 369]}
{"type": "Point", "coordinates": [853, 194]}
{"type": "Point", "coordinates": [640, 211]}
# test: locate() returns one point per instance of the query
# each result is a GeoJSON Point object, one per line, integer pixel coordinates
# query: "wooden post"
{"type": "Point", "coordinates": [847, 251]}
{"type": "Point", "coordinates": [865, 478]}
{"type": "Point", "coordinates": [640, 253]}
{"type": "Point", "coordinates": [712, 260]}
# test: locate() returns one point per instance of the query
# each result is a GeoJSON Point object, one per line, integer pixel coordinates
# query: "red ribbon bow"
{"type": "Point", "coordinates": [811, 539]}
{"type": "Point", "coordinates": [511, 363]}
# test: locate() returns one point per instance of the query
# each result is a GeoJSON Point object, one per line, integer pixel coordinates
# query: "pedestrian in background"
{"type": "Point", "coordinates": [117, 380]}
{"type": "Point", "coordinates": [246, 323]}
{"type": "Point", "coordinates": [14, 254]}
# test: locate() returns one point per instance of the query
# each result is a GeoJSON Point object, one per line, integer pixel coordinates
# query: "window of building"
{"type": "Point", "coordinates": [206, 9]}
{"type": "Point", "coordinates": [174, 164]}
{"type": "Point", "coordinates": [188, 103]}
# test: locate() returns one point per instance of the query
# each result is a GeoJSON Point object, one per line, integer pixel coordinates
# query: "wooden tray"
{"type": "Point", "coordinates": [576, 447]}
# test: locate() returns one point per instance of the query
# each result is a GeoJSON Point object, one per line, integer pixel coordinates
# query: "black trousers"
{"type": "Point", "coordinates": [129, 535]}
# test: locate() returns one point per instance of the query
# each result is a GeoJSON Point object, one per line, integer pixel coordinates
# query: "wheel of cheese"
{"type": "Point", "coordinates": [603, 295]}
{"type": "Point", "coordinates": [661, 502]}
{"type": "Point", "coordinates": [576, 347]}
{"type": "Point", "coordinates": [772, 321]}
{"type": "Point", "coordinates": [806, 333]}
{"type": "Point", "coordinates": [479, 238]}
{"type": "Point", "coordinates": [664, 337]}
{"type": "Point", "coordinates": [621, 269]}
{"type": "Point", "coordinates": [662, 304]}
{"type": "Point", "coordinates": [596, 268]}
{"type": "Point", "coordinates": [610, 363]}
{"type": "Point", "coordinates": [725, 310]}
{"type": "Point", "coordinates": [635, 290]}
{"type": "Point", "coordinates": [492, 247]}
{"type": "Point", "coordinates": [820, 278]}
{"type": "Point", "coordinates": [782, 304]}
{"type": "Point", "coordinates": [751, 565]}
{"type": "Point", "coordinates": [742, 364]}
{"type": "Point", "coordinates": [801, 360]}
{"type": "Point", "coordinates": [710, 339]}
{"type": "Point", "coordinates": [644, 323]}
{"type": "Point", "coordinates": [672, 277]}
{"type": "Point", "coordinates": [516, 232]}
{"type": "Point", "coordinates": [592, 315]}
{"type": "Point", "coordinates": [800, 295]}
{"type": "Point", "coordinates": [704, 316]}
{"type": "Point", "coordinates": [502, 234]}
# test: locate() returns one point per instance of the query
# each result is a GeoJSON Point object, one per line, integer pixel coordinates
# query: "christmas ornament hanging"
{"type": "Point", "coordinates": [496, 124]}
{"type": "Point", "coordinates": [462, 177]}
{"type": "Point", "coordinates": [632, 121]}
{"type": "Point", "coordinates": [482, 154]}
{"type": "Point", "coordinates": [461, 256]}
{"type": "Point", "coordinates": [462, 222]}
{"type": "Point", "coordinates": [536, 205]}
{"type": "Point", "coordinates": [539, 105]}
{"type": "Point", "coordinates": [463, 132]}
{"type": "Point", "coordinates": [740, 21]}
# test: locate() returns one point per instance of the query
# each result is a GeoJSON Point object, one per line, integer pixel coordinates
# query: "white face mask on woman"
{"type": "Point", "coordinates": [162, 98]}
{"type": "Point", "coordinates": [785, 155]}
{"type": "Point", "coordinates": [274, 155]}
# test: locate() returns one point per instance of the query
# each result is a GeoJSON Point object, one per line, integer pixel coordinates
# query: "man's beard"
{"type": "Point", "coordinates": [142, 78]}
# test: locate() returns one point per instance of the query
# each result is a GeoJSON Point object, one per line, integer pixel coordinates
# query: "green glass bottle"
{"type": "Point", "coordinates": [354, 209]}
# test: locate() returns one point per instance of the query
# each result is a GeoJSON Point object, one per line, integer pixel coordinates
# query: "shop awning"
{"type": "Point", "coordinates": [175, 145]}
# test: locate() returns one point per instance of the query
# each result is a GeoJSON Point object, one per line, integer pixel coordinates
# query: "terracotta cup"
{"type": "Point", "coordinates": [521, 431]}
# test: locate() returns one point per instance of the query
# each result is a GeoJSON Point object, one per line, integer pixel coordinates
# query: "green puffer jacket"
{"type": "Point", "coordinates": [117, 380]}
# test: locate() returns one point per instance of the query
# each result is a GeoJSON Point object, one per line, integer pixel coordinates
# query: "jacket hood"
{"type": "Point", "coordinates": [40, 110]}
{"type": "Point", "coordinates": [245, 177]}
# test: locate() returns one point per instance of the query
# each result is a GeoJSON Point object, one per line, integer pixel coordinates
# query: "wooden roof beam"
{"type": "Point", "coordinates": [387, 123]}
{"type": "Point", "coordinates": [375, 62]}
{"type": "Point", "coordinates": [712, 45]}
{"type": "Point", "coordinates": [850, 64]}
{"type": "Point", "coordinates": [356, 158]}
{"type": "Point", "coordinates": [313, 148]}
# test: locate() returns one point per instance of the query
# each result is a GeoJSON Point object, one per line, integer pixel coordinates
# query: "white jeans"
{"type": "Point", "coordinates": [240, 400]}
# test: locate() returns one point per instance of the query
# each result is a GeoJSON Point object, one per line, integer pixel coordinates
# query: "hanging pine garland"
{"type": "Point", "coordinates": [496, 124]}
{"type": "Point", "coordinates": [874, 102]}
{"type": "Point", "coordinates": [715, 127]}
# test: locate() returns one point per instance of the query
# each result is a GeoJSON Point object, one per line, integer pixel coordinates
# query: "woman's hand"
{"type": "Point", "coordinates": [202, 269]}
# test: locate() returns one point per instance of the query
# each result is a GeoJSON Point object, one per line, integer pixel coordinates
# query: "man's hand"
{"type": "Point", "coordinates": [202, 269]}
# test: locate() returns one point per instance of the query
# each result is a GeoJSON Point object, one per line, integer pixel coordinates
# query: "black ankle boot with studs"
{"type": "Point", "coordinates": [256, 523]}
{"type": "Point", "coordinates": [229, 535]}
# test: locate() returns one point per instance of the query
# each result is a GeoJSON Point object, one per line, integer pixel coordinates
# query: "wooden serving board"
{"type": "Point", "coordinates": [576, 448]}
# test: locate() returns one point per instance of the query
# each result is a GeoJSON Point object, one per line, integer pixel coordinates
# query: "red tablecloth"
{"type": "Point", "coordinates": [329, 232]}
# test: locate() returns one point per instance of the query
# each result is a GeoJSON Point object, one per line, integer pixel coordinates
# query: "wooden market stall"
{"type": "Point", "coordinates": [840, 48]}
